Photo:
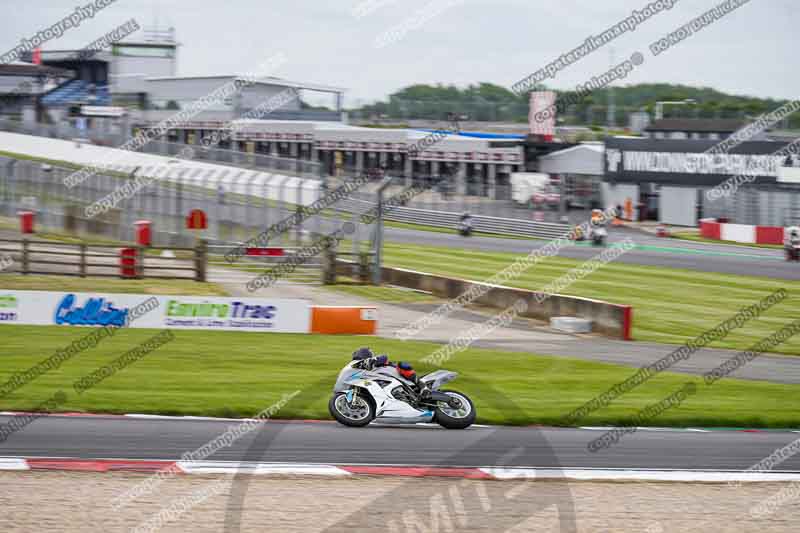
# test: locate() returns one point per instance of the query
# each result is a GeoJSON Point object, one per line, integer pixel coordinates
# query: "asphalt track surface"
{"type": "Point", "coordinates": [100, 437]}
{"type": "Point", "coordinates": [651, 250]}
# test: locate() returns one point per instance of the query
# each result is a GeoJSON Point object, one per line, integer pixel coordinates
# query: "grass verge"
{"type": "Point", "coordinates": [381, 293]}
{"type": "Point", "coordinates": [109, 285]}
{"type": "Point", "coordinates": [671, 305]}
{"type": "Point", "coordinates": [239, 374]}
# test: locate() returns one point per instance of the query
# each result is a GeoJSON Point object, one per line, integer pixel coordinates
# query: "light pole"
{"type": "Point", "coordinates": [660, 106]}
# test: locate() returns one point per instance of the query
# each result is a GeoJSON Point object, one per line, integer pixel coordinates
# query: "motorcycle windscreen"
{"type": "Point", "coordinates": [345, 375]}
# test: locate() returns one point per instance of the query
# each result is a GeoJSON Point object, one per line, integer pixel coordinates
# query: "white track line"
{"type": "Point", "coordinates": [377, 423]}
{"type": "Point", "coordinates": [228, 467]}
{"type": "Point", "coordinates": [497, 473]}
{"type": "Point", "coordinates": [636, 475]}
{"type": "Point", "coordinates": [195, 418]}
{"type": "Point", "coordinates": [13, 463]}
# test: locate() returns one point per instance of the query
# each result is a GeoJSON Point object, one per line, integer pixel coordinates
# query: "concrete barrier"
{"type": "Point", "coordinates": [712, 229]}
{"type": "Point", "coordinates": [608, 319]}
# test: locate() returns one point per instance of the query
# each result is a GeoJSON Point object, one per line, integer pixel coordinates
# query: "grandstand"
{"type": "Point", "coordinates": [21, 83]}
{"type": "Point", "coordinates": [142, 78]}
{"type": "Point", "coordinates": [77, 92]}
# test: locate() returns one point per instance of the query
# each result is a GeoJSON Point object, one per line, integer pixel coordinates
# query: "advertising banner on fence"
{"type": "Point", "coordinates": [46, 308]}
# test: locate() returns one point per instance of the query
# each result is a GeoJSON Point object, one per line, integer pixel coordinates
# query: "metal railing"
{"type": "Point", "coordinates": [309, 271]}
{"type": "Point", "coordinates": [450, 219]}
{"type": "Point", "coordinates": [239, 203]}
{"type": "Point", "coordinates": [238, 207]}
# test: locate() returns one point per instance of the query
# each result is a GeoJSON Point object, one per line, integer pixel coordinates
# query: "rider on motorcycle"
{"type": "Point", "coordinates": [370, 361]}
{"type": "Point", "coordinates": [465, 224]}
{"type": "Point", "coordinates": [791, 241]}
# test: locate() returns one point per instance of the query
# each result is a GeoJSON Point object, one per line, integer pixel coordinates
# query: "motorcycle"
{"type": "Point", "coordinates": [362, 395]}
{"type": "Point", "coordinates": [793, 250]}
{"type": "Point", "coordinates": [465, 227]}
{"type": "Point", "coordinates": [599, 235]}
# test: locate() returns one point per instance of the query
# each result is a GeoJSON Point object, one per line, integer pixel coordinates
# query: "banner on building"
{"type": "Point", "coordinates": [542, 113]}
{"type": "Point", "coordinates": [688, 162]}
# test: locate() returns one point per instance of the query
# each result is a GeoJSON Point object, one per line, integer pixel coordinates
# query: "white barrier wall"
{"type": "Point", "coordinates": [738, 233]}
{"type": "Point", "coordinates": [678, 206]}
{"type": "Point", "coordinates": [46, 308]}
{"type": "Point", "coordinates": [273, 186]}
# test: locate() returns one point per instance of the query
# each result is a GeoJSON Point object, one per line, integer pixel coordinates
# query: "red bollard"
{"type": "Point", "coordinates": [127, 262]}
{"type": "Point", "coordinates": [26, 219]}
{"type": "Point", "coordinates": [143, 234]}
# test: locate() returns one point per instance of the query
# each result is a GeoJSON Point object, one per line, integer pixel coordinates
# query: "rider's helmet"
{"type": "Point", "coordinates": [362, 353]}
{"type": "Point", "coordinates": [406, 370]}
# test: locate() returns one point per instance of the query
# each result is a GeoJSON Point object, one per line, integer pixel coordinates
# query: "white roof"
{"type": "Point", "coordinates": [267, 80]}
{"type": "Point", "coordinates": [586, 158]}
{"type": "Point", "coordinates": [599, 148]}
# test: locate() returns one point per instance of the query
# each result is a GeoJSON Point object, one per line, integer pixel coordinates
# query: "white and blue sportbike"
{"type": "Point", "coordinates": [363, 393]}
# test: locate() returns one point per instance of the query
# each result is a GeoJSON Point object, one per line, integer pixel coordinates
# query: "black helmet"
{"type": "Point", "coordinates": [362, 353]}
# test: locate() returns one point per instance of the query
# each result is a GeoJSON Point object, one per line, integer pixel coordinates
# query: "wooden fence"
{"type": "Point", "coordinates": [24, 256]}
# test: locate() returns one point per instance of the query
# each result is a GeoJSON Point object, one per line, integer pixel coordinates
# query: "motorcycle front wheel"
{"type": "Point", "coordinates": [460, 417]}
{"type": "Point", "coordinates": [355, 414]}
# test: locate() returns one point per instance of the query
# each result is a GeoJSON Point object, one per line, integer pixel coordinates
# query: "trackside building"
{"type": "Point", "coordinates": [669, 180]}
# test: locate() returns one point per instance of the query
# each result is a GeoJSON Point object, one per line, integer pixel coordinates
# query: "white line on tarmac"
{"type": "Point", "coordinates": [636, 475]}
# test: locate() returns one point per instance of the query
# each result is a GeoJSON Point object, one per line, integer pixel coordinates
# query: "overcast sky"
{"type": "Point", "coordinates": [747, 52]}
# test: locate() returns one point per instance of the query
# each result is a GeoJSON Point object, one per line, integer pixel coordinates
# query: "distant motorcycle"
{"type": "Point", "coordinates": [792, 245]}
{"type": "Point", "coordinates": [599, 236]}
{"type": "Point", "coordinates": [598, 231]}
{"type": "Point", "coordinates": [465, 226]}
{"type": "Point", "coordinates": [363, 394]}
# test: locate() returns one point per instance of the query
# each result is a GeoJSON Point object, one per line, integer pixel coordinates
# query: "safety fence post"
{"type": "Point", "coordinates": [200, 260]}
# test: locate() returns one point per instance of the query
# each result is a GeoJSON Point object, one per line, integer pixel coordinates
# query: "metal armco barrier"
{"type": "Point", "coordinates": [446, 219]}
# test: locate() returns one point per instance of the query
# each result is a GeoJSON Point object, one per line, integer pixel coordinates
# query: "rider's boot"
{"type": "Point", "coordinates": [422, 388]}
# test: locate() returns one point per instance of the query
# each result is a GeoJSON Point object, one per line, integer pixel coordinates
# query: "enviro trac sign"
{"type": "Point", "coordinates": [46, 308]}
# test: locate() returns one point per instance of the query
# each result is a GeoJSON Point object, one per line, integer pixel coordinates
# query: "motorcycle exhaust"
{"type": "Point", "coordinates": [439, 396]}
{"type": "Point", "coordinates": [436, 396]}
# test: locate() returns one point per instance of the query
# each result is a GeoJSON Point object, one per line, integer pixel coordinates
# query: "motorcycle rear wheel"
{"type": "Point", "coordinates": [451, 418]}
